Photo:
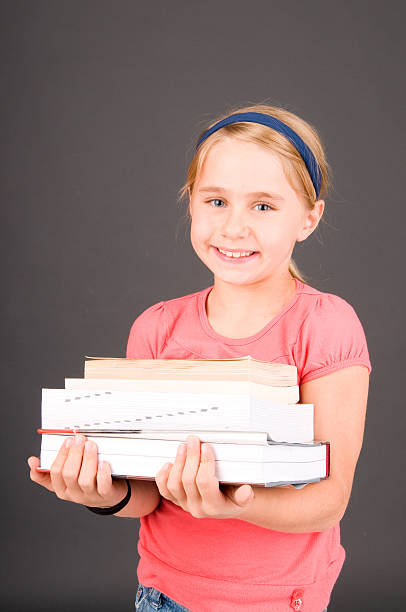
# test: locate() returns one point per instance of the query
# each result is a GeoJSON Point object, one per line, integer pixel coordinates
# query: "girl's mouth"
{"type": "Point", "coordinates": [237, 257]}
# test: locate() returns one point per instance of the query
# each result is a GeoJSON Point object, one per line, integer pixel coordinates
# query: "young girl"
{"type": "Point", "coordinates": [254, 185]}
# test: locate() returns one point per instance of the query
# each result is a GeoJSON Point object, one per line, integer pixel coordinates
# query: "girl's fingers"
{"type": "Point", "coordinates": [206, 480]}
{"type": "Point", "coordinates": [41, 478]}
{"type": "Point", "coordinates": [190, 470]}
{"type": "Point", "coordinates": [111, 491]}
{"type": "Point", "coordinates": [73, 464]}
{"type": "Point", "coordinates": [88, 470]}
{"type": "Point", "coordinates": [174, 482]}
{"type": "Point", "coordinates": [161, 479]}
{"type": "Point", "coordinates": [103, 479]}
{"type": "Point", "coordinates": [57, 480]}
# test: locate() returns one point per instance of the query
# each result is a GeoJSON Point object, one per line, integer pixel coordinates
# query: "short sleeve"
{"type": "Point", "coordinates": [148, 333]}
{"type": "Point", "coordinates": [331, 338]}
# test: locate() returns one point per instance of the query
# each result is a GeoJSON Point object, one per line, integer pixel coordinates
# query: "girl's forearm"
{"type": "Point", "coordinates": [316, 507]}
{"type": "Point", "coordinates": [145, 497]}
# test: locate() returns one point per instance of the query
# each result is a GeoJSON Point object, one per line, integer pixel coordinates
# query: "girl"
{"type": "Point", "coordinates": [254, 186]}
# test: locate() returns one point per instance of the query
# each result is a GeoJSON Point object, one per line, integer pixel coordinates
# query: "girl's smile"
{"type": "Point", "coordinates": [235, 256]}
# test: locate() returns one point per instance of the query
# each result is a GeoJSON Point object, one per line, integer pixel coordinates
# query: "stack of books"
{"type": "Point", "coordinates": [139, 410]}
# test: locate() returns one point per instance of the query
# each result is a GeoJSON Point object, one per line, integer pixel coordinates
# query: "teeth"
{"type": "Point", "coordinates": [235, 255]}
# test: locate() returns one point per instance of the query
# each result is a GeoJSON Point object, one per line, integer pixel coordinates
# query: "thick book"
{"type": "Point", "coordinates": [239, 369]}
{"type": "Point", "coordinates": [129, 410]}
{"type": "Point", "coordinates": [285, 395]}
{"type": "Point", "coordinates": [256, 460]}
{"type": "Point", "coordinates": [138, 411]}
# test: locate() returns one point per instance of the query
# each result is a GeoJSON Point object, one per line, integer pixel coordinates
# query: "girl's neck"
{"type": "Point", "coordinates": [240, 311]}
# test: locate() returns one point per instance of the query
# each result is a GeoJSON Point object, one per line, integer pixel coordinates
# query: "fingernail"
{"type": "Point", "coordinates": [191, 443]}
{"type": "Point", "coordinates": [251, 494]}
{"type": "Point", "coordinates": [181, 450]}
{"type": "Point", "coordinates": [78, 440]}
{"type": "Point", "coordinates": [68, 442]}
{"type": "Point", "coordinates": [89, 445]}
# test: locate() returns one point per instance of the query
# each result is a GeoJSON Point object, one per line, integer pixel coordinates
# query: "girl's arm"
{"type": "Point", "coordinates": [145, 497]}
{"type": "Point", "coordinates": [340, 401]}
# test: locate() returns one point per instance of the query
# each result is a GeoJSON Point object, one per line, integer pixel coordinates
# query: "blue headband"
{"type": "Point", "coordinates": [307, 156]}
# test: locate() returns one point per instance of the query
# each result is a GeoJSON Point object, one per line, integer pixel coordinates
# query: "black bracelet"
{"type": "Point", "coordinates": [117, 507]}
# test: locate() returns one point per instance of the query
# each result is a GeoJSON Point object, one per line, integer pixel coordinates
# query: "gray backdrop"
{"type": "Point", "coordinates": [102, 103]}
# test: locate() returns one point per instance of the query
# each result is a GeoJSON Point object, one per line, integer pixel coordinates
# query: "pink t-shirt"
{"type": "Point", "coordinates": [219, 565]}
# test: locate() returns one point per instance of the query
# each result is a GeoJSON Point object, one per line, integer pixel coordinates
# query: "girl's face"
{"type": "Point", "coordinates": [242, 203]}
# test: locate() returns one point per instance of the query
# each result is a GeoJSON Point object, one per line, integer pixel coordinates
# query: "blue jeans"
{"type": "Point", "coordinates": [149, 599]}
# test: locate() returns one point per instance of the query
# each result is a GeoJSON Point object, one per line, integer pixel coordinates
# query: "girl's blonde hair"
{"type": "Point", "coordinates": [293, 164]}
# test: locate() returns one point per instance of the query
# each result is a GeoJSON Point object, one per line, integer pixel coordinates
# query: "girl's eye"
{"type": "Point", "coordinates": [267, 206]}
{"type": "Point", "coordinates": [215, 202]}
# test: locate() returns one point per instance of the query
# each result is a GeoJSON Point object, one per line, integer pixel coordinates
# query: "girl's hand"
{"type": "Point", "coordinates": [77, 476]}
{"type": "Point", "coordinates": [191, 484]}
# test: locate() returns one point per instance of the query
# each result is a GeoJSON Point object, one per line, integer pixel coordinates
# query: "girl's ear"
{"type": "Point", "coordinates": [311, 221]}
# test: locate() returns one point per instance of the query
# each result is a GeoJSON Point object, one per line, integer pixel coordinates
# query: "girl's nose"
{"type": "Point", "coordinates": [235, 225]}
